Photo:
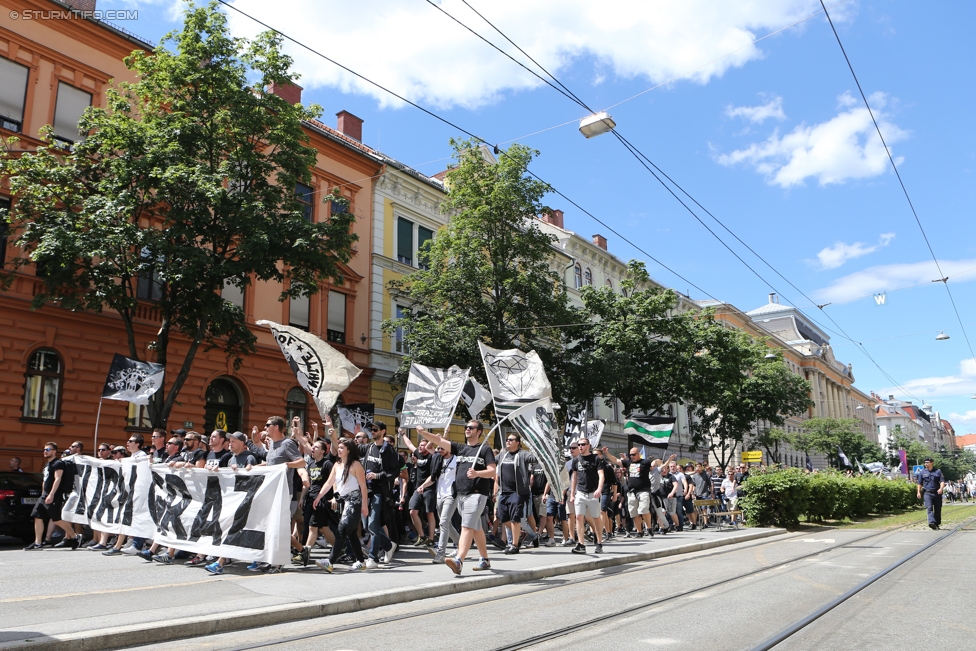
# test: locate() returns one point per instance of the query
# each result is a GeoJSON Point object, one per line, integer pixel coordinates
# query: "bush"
{"type": "Point", "coordinates": [780, 497]}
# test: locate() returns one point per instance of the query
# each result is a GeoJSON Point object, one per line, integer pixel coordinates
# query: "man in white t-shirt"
{"type": "Point", "coordinates": [443, 470]}
{"type": "Point", "coordinates": [731, 490]}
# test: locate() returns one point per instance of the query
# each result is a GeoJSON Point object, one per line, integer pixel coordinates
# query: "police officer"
{"type": "Point", "coordinates": [932, 483]}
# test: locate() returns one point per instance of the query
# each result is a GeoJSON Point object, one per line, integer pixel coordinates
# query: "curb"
{"type": "Point", "coordinates": [140, 634]}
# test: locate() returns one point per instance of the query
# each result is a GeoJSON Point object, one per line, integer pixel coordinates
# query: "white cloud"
{"type": "Point", "coordinates": [962, 383]}
{"type": "Point", "coordinates": [891, 276]}
{"type": "Point", "coordinates": [771, 109]}
{"type": "Point", "coordinates": [834, 256]}
{"type": "Point", "coordinates": [844, 147]}
{"type": "Point", "coordinates": [969, 418]}
{"type": "Point", "coordinates": [413, 49]}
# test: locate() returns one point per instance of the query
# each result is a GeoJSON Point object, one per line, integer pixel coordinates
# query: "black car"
{"type": "Point", "coordinates": [19, 491]}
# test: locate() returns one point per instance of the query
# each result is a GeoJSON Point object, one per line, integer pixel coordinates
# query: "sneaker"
{"type": "Point", "coordinates": [305, 555]}
{"type": "Point", "coordinates": [322, 543]}
{"type": "Point", "coordinates": [254, 567]}
{"type": "Point", "coordinates": [388, 558]}
{"type": "Point", "coordinates": [33, 546]}
{"type": "Point", "coordinates": [325, 565]}
{"type": "Point", "coordinates": [599, 549]}
{"type": "Point", "coordinates": [511, 549]}
{"type": "Point", "coordinates": [551, 542]}
{"type": "Point", "coordinates": [196, 560]}
{"type": "Point", "coordinates": [522, 537]}
{"type": "Point", "coordinates": [497, 542]}
{"type": "Point", "coordinates": [66, 542]}
{"type": "Point", "coordinates": [214, 568]}
{"type": "Point", "coordinates": [144, 554]}
{"type": "Point", "coordinates": [163, 558]}
{"type": "Point", "coordinates": [484, 565]}
{"type": "Point", "coordinates": [432, 551]}
{"type": "Point", "coordinates": [438, 557]}
{"type": "Point", "coordinates": [371, 564]}
{"type": "Point", "coordinates": [91, 543]}
{"type": "Point", "coordinates": [114, 551]}
{"type": "Point", "coordinates": [568, 542]}
{"type": "Point", "coordinates": [296, 559]}
{"type": "Point", "coordinates": [579, 549]}
{"type": "Point", "coordinates": [97, 548]}
{"type": "Point", "coordinates": [275, 569]}
{"type": "Point", "coordinates": [455, 563]}
{"type": "Point", "coordinates": [421, 541]}
{"type": "Point", "coordinates": [535, 542]}
{"type": "Point", "coordinates": [357, 567]}
{"type": "Point", "coordinates": [130, 550]}
{"type": "Point", "coordinates": [45, 543]}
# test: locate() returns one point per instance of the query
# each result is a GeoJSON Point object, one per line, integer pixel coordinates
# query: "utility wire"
{"type": "Point", "coordinates": [942, 277]}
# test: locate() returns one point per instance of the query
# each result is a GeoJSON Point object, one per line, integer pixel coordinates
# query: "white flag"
{"type": "Point", "coordinates": [594, 431]}
{"type": "Point", "coordinates": [321, 370]}
{"type": "Point", "coordinates": [537, 425]}
{"type": "Point", "coordinates": [432, 395]}
{"type": "Point", "coordinates": [475, 397]}
{"type": "Point", "coordinates": [514, 377]}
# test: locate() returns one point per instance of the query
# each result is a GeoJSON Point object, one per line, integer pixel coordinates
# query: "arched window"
{"type": "Point", "coordinates": [610, 284]}
{"type": "Point", "coordinates": [42, 394]}
{"type": "Point", "coordinates": [578, 271]}
{"type": "Point", "coordinates": [588, 276]}
{"type": "Point", "coordinates": [224, 406]}
{"type": "Point", "coordinates": [296, 407]}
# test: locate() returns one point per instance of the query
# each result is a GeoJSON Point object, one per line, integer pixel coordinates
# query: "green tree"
{"type": "Point", "coordinates": [490, 273]}
{"type": "Point", "coordinates": [185, 182]}
{"type": "Point", "coordinates": [770, 439]}
{"type": "Point", "coordinates": [829, 435]}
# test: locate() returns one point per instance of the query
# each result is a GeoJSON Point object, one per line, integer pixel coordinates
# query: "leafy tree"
{"type": "Point", "coordinates": [770, 439]}
{"type": "Point", "coordinates": [489, 273]}
{"type": "Point", "coordinates": [829, 435]}
{"type": "Point", "coordinates": [185, 182]}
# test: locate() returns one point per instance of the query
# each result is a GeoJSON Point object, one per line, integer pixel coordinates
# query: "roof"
{"type": "Point", "coordinates": [142, 43]}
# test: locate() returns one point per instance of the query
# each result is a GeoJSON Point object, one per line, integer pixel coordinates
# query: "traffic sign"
{"type": "Point", "coordinates": [752, 456]}
{"type": "Point", "coordinates": [917, 469]}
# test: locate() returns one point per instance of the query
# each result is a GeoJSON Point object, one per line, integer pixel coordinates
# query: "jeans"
{"type": "Point", "coordinates": [446, 508]}
{"type": "Point", "coordinates": [379, 542]}
{"type": "Point", "coordinates": [933, 504]}
{"type": "Point", "coordinates": [345, 531]}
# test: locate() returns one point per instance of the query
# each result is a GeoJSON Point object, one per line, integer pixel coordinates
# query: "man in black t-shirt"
{"type": "Point", "coordinates": [56, 484]}
{"type": "Point", "coordinates": [420, 500]}
{"type": "Point", "coordinates": [219, 455]}
{"type": "Point", "coordinates": [586, 487]}
{"type": "Point", "coordinates": [474, 481]}
{"type": "Point", "coordinates": [193, 453]}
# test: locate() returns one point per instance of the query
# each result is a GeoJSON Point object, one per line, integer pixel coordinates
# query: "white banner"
{"type": "Point", "coordinates": [537, 425]}
{"type": "Point", "coordinates": [243, 515]}
{"type": "Point", "coordinates": [432, 395]}
{"type": "Point", "coordinates": [514, 377]}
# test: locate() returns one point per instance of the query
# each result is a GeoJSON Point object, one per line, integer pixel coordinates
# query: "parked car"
{"type": "Point", "coordinates": [19, 491]}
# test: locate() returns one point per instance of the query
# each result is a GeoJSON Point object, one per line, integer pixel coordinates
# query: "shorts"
{"type": "Point", "coordinates": [671, 505]}
{"type": "Point", "coordinates": [554, 509]}
{"type": "Point", "coordinates": [426, 501]}
{"type": "Point", "coordinates": [511, 507]}
{"type": "Point", "coordinates": [537, 510]}
{"type": "Point", "coordinates": [471, 507]}
{"type": "Point", "coordinates": [639, 503]}
{"type": "Point", "coordinates": [322, 516]}
{"type": "Point", "coordinates": [50, 511]}
{"type": "Point", "coordinates": [296, 512]}
{"type": "Point", "coordinates": [605, 503]}
{"type": "Point", "coordinates": [689, 505]}
{"type": "Point", "coordinates": [586, 505]}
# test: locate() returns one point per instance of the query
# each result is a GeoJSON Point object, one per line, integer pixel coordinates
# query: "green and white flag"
{"type": "Point", "coordinates": [649, 430]}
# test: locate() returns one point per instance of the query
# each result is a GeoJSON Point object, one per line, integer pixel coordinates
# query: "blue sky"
{"type": "Point", "coordinates": [771, 137]}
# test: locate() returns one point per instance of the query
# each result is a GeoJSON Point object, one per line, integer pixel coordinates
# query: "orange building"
{"type": "Point", "coordinates": [53, 362]}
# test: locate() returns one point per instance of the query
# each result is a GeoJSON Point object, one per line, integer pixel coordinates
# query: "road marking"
{"type": "Point", "coordinates": [148, 587]}
{"type": "Point", "coordinates": [823, 540]}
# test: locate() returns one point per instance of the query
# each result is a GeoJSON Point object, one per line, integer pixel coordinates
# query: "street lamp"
{"type": "Point", "coordinates": [942, 336]}
{"type": "Point", "coordinates": [596, 124]}
{"type": "Point", "coordinates": [770, 355]}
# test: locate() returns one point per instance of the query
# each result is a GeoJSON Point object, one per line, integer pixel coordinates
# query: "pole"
{"type": "Point", "coordinates": [97, 417]}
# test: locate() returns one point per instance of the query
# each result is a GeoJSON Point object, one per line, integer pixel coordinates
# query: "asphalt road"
{"type": "Point", "coordinates": [906, 606]}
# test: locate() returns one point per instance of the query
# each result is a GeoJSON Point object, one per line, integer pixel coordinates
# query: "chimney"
{"type": "Point", "coordinates": [80, 5]}
{"type": "Point", "coordinates": [554, 217]}
{"type": "Point", "coordinates": [891, 397]}
{"type": "Point", "coordinates": [291, 93]}
{"type": "Point", "coordinates": [773, 298]}
{"type": "Point", "coordinates": [350, 125]}
{"type": "Point", "coordinates": [600, 241]}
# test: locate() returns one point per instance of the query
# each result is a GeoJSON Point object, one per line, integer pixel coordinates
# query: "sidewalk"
{"type": "Point", "coordinates": [64, 600]}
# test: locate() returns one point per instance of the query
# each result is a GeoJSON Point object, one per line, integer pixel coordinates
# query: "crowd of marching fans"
{"type": "Point", "coordinates": [363, 497]}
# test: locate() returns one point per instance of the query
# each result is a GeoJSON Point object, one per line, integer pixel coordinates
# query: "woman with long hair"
{"type": "Point", "coordinates": [349, 480]}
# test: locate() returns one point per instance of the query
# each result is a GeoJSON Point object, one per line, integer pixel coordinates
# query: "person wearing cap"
{"type": "Point", "coordinates": [931, 484]}
{"type": "Point", "coordinates": [241, 456]}
{"type": "Point", "coordinates": [179, 432]}
{"type": "Point", "coordinates": [118, 452]}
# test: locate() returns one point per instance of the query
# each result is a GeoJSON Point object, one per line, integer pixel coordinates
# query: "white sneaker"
{"type": "Point", "coordinates": [551, 542]}
{"type": "Point", "coordinates": [130, 550]}
{"type": "Point", "coordinates": [389, 554]}
{"type": "Point", "coordinates": [569, 542]}
{"type": "Point", "coordinates": [322, 542]}
{"type": "Point", "coordinates": [357, 567]}
{"type": "Point", "coordinates": [370, 564]}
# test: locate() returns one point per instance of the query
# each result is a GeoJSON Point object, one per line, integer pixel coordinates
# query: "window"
{"type": "Point", "coordinates": [610, 284]}
{"type": "Point", "coordinates": [578, 272]}
{"type": "Point", "coordinates": [298, 309]}
{"type": "Point", "coordinates": [306, 197]}
{"type": "Point", "coordinates": [43, 386]}
{"type": "Point", "coordinates": [149, 286]}
{"type": "Point", "coordinates": [4, 206]}
{"type": "Point", "coordinates": [13, 94]}
{"type": "Point", "coordinates": [296, 406]}
{"type": "Point", "coordinates": [424, 235]}
{"type": "Point", "coordinates": [138, 417]}
{"type": "Point", "coordinates": [400, 342]}
{"type": "Point", "coordinates": [232, 293]}
{"type": "Point", "coordinates": [405, 241]}
{"type": "Point", "coordinates": [588, 276]}
{"type": "Point", "coordinates": [336, 332]}
{"type": "Point", "coordinates": [71, 103]}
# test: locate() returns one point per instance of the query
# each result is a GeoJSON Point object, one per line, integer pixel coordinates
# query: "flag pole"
{"type": "Point", "coordinates": [98, 415]}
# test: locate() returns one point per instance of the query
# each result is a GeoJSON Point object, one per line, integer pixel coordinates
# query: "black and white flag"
{"type": "Point", "coordinates": [594, 431]}
{"type": "Point", "coordinates": [432, 395]}
{"type": "Point", "coordinates": [475, 397]}
{"type": "Point", "coordinates": [575, 424]}
{"type": "Point", "coordinates": [132, 381]}
{"type": "Point", "coordinates": [515, 378]}
{"type": "Point", "coordinates": [358, 414]}
{"type": "Point", "coordinates": [537, 426]}
{"type": "Point", "coordinates": [319, 368]}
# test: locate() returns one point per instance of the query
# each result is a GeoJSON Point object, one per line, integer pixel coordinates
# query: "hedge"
{"type": "Point", "coordinates": [781, 497]}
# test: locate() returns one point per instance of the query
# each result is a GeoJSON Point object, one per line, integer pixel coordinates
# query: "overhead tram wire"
{"type": "Point", "coordinates": [641, 158]}
{"type": "Point", "coordinates": [942, 277]}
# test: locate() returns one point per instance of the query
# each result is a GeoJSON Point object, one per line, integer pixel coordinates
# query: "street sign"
{"type": "Point", "coordinates": [917, 469]}
{"type": "Point", "coordinates": [752, 456]}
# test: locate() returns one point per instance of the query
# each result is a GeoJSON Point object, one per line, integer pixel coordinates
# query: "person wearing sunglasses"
{"type": "Point", "coordinates": [55, 488]}
{"type": "Point", "coordinates": [512, 479]}
{"type": "Point", "coordinates": [586, 487]}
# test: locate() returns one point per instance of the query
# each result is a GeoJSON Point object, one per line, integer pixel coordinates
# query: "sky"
{"type": "Point", "coordinates": [749, 106]}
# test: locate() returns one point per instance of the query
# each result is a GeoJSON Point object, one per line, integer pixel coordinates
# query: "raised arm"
{"type": "Point", "coordinates": [406, 439]}
{"type": "Point", "coordinates": [612, 459]}
{"type": "Point", "coordinates": [434, 438]}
